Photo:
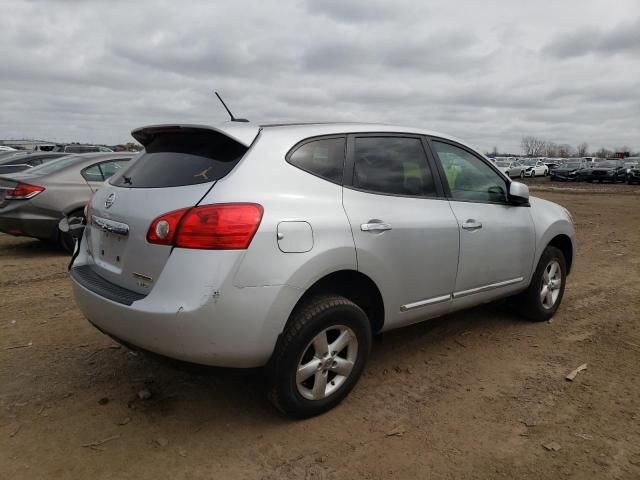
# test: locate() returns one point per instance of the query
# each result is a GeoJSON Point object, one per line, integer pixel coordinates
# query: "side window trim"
{"type": "Point", "coordinates": [349, 168]}
{"type": "Point", "coordinates": [442, 174]}
{"type": "Point", "coordinates": [307, 140]}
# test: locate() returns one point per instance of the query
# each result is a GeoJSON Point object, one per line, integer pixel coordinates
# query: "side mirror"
{"type": "Point", "coordinates": [518, 193]}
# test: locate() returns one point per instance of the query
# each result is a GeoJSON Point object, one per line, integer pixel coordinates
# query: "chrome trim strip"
{"type": "Point", "coordinates": [110, 226]}
{"type": "Point", "coordinates": [484, 288]}
{"type": "Point", "coordinates": [424, 303]}
{"type": "Point", "coordinates": [142, 277]}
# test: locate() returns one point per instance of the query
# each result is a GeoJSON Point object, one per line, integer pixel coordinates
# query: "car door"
{"type": "Point", "coordinates": [405, 233]}
{"type": "Point", "coordinates": [497, 239]}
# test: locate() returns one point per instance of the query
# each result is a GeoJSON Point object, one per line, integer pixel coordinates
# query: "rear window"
{"type": "Point", "coordinates": [174, 159]}
{"type": "Point", "coordinates": [324, 158]}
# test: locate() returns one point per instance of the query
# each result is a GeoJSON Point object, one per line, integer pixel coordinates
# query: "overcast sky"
{"type": "Point", "coordinates": [486, 71]}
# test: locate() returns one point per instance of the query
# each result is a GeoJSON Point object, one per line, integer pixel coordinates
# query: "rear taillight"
{"type": "Point", "coordinates": [223, 226]}
{"type": "Point", "coordinates": [23, 191]}
{"type": "Point", "coordinates": [163, 229]}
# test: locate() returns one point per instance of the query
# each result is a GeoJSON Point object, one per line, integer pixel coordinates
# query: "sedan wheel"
{"type": "Point", "coordinates": [66, 240]}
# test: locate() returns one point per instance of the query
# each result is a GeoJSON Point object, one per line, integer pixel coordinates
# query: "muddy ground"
{"type": "Point", "coordinates": [474, 395]}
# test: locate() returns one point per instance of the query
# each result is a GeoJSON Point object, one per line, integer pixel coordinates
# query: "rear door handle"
{"type": "Point", "coordinates": [375, 227]}
{"type": "Point", "coordinates": [471, 225]}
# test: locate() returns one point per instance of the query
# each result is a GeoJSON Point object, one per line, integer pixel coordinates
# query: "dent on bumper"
{"type": "Point", "coordinates": [229, 326]}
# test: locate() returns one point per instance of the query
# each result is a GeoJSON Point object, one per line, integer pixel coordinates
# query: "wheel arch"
{"type": "Point", "coordinates": [565, 245]}
{"type": "Point", "coordinates": [355, 286]}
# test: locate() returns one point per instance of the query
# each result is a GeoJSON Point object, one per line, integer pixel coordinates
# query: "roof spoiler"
{"type": "Point", "coordinates": [243, 133]}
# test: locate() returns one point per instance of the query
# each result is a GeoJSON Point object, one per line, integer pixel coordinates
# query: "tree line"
{"type": "Point", "coordinates": [539, 147]}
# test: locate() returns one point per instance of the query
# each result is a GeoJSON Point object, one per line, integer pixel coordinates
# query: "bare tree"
{"type": "Point", "coordinates": [564, 150]}
{"type": "Point", "coordinates": [582, 149]}
{"type": "Point", "coordinates": [550, 149]}
{"type": "Point", "coordinates": [532, 146]}
{"type": "Point", "coordinates": [494, 152]}
{"type": "Point", "coordinates": [603, 153]}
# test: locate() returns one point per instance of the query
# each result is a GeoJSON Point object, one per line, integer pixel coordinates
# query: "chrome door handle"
{"type": "Point", "coordinates": [471, 225]}
{"type": "Point", "coordinates": [375, 227]}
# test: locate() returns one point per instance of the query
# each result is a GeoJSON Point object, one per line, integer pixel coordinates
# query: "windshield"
{"type": "Point", "coordinates": [503, 163]}
{"type": "Point", "coordinates": [572, 165]}
{"type": "Point", "coordinates": [607, 164]}
{"type": "Point", "coordinates": [529, 163]}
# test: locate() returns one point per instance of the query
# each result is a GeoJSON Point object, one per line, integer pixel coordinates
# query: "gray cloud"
{"type": "Point", "coordinates": [623, 38]}
{"type": "Point", "coordinates": [93, 70]}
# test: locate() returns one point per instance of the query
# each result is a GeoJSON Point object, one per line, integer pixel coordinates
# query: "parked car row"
{"type": "Point", "coordinates": [523, 168]}
{"type": "Point", "coordinates": [612, 170]}
{"type": "Point", "coordinates": [38, 189]}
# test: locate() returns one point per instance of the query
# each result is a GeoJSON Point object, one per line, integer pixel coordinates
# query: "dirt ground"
{"type": "Point", "coordinates": [478, 394]}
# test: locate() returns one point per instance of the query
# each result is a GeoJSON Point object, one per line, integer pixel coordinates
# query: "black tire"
{"type": "Point", "coordinates": [306, 322]}
{"type": "Point", "coordinates": [530, 303]}
{"type": "Point", "coordinates": [66, 240]}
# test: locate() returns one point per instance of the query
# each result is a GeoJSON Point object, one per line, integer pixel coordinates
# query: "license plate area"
{"type": "Point", "coordinates": [110, 239]}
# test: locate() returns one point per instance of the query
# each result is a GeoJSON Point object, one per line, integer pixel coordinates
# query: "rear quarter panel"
{"type": "Point", "coordinates": [287, 193]}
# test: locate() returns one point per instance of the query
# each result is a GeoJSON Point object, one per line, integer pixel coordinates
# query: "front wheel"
{"type": "Point", "coordinates": [319, 357]}
{"type": "Point", "coordinates": [542, 299]}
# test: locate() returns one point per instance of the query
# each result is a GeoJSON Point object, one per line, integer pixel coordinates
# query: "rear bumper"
{"type": "Point", "coordinates": [190, 315]}
{"type": "Point", "coordinates": [16, 218]}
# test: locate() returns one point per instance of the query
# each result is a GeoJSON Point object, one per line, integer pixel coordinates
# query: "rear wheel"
{"type": "Point", "coordinates": [65, 239]}
{"type": "Point", "coordinates": [319, 357]}
{"type": "Point", "coordinates": [542, 299]}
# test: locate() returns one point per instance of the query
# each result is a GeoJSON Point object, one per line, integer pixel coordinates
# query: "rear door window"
{"type": "Point", "coordinates": [177, 158]}
{"type": "Point", "coordinates": [323, 157]}
{"type": "Point", "coordinates": [111, 168]}
{"type": "Point", "coordinates": [103, 171]}
{"type": "Point", "coordinates": [392, 165]}
{"type": "Point", "coordinates": [93, 174]}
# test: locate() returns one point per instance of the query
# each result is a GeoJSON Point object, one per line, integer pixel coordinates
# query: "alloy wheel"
{"type": "Point", "coordinates": [326, 362]}
{"type": "Point", "coordinates": [551, 283]}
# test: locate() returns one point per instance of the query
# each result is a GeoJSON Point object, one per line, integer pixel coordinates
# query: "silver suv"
{"type": "Point", "coordinates": [289, 246]}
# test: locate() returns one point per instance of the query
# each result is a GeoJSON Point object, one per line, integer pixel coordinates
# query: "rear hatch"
{"type": "Point", "coordinates": [178, 167]}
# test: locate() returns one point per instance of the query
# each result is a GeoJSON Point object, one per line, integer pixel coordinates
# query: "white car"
{"type": "Point", "coordinates": [4, 148]}
{"type": "Point", "coordinates": [535, 168]}
{"type": "Point", "coordinates": [511, 168]}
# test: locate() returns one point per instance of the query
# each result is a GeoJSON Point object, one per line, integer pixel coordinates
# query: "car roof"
{"type": "Point", "coordinates": [246, 132]}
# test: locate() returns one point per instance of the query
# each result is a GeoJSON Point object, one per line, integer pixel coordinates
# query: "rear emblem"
{"type": "Point", "coordinates": [109, 200]}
